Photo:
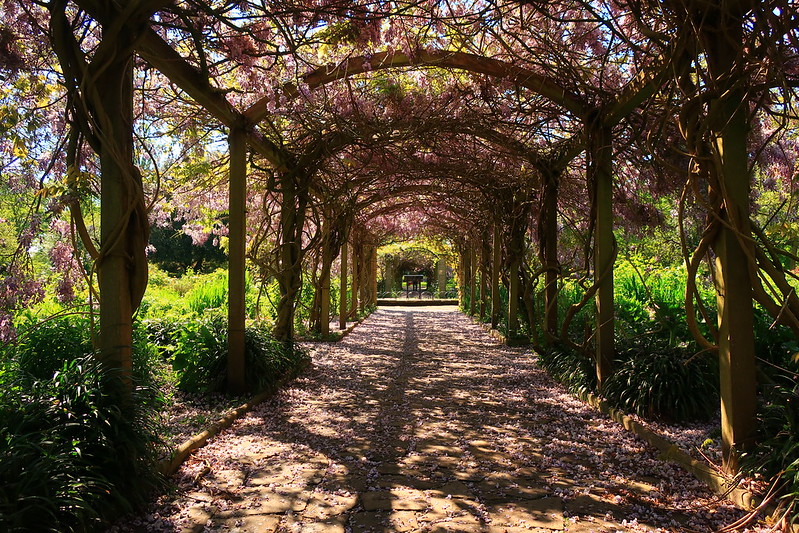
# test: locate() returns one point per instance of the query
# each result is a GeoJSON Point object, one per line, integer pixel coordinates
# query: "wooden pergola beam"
{"type": "Point", "coordinates": [158, 53]}
{"type": "Point", "coordinates": [537, 83]}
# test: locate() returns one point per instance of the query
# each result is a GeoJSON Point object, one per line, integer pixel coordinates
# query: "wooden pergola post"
{"type": "Point", "coordinates": [120, 188]}
{"type": "Point", "coordinates": [496, 264]}
{"type": "Point", "coordinates": [485, 251]}
{"type": "Point", "coordinates": [441, 272]}
{"type": "Point", "coordinates": [363, 285]}
{"type": "Point", "coordinates": [601, 168]}
{"type": "Point", "coordinates": [356, 279]}
{"type": "Point", "coordinates": [324, 284]}
{"type": "Point", "coordinates": [515, 258]}
{"type": "Point", "coordinates": [464, 273]}
{"type": "Point", "coordinates": [342, 303]}
{"type": "Point", "coordinates": [729, 127]}
{"type": "Point", "coordinates": [513, 296]}
{"type": "Point", "coordinates": [473, 281]}
{"type": "Point", "coordinates": [548, 241]}
{"type": "Point", "coordinates": [237, 236]}
{"type": "Point", "coordinates": [373, 284]}
{"type": "Point", "coordinates": [363, 277]}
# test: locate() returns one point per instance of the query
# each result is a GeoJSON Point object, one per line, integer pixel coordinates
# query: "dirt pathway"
{"type": "Point", "coordinates": [418, 421]}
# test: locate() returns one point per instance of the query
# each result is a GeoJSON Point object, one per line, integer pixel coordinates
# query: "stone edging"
{"type": "Point", "coordinates": [167, 467]}
{"type": "Point", "coordinates": [723, 486]}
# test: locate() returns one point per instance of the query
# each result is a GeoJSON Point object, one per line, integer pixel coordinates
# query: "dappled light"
{"type": "Point", "coordinates": [419, 421]}
{"type": "Point", "coordinates": [597, 199]}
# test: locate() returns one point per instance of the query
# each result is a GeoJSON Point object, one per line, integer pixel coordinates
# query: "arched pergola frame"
{"type": "Point", "coordinates": [727, 132]}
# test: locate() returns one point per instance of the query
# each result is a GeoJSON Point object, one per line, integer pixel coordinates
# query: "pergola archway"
{"type": "Point", "coordinates": [121, 260]}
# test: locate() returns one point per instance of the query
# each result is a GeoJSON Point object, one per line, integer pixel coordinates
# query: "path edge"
{"type": "Point", "coordinates": [167, 467]}
{"type": "Point", "coordinates": [511, 342]}
{"type": "Point", "coordinates": [721, 485]}
{"type": "Point", "coordinates": [339, 334]}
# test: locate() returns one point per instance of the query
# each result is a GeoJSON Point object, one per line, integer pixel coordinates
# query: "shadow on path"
{"type": "Point", "coordinates": [419, 421]}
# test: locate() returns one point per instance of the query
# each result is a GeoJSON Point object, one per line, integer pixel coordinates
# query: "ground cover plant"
{"type": "Point", "coordinates": [73, 454]}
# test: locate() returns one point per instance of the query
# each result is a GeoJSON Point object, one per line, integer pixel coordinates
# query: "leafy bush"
{"type": "Point", "coordinates": [573, 369]}
{"type": "Point", "coordinates": [200, 357]}
{"type": "Point", "coordinates": [776, 455]}
{"type": "Point", "coordinates": [43, 347]}
{"type": "Point", "coordinates": [74, 451]}
{"type": "Point", "coordinates": [162, 332]}
{"type": "Point", "coordinates": [209, 295]}
{"type": "Point", "coordinates": [653, 380]}
{"type": "Point", "coordinates": [773, 343]}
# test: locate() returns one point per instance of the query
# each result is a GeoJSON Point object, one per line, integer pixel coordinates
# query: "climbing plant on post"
{"type": "Point", "coordinates": [342, 302]}
{"type": "Point", "coordinates": [518, 229]}
{"type": "Point", "coordinates": [496, 265]}
{"type": "Point", "coordinates": [473, 269]}
{"type": "Point", "coordinates": [548, 247]}
{"type": "Point", "coordinates": [722, 37]}
{"type": "Point", "coordinates": [485, 269]}
{"type": "Point", "coordinates": [441, 274]}
{"type": "Point", "coordinates": [464, 272]}
{"type": "Point", "coordinates": [100, 92]}
{"type": "Point", "coordinates": [293, 208]}
{"type": "Point", "coordinates": [373, 284]}
{"type": "Point", "coordinates": [356, 275]}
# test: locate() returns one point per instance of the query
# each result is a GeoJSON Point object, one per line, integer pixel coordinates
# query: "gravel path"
{"type": "Point", "coordinates": [419, 421]}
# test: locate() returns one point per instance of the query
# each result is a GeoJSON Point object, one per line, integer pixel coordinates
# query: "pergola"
{"type": "Point", "coordinates": [705, 71]}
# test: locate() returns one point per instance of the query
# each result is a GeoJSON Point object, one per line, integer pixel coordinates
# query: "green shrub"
{"type": "Point", "coordinates": [200, 357]}
{"type": "Point", "coordinates": [775, 344]}
{"type": "Point", "coordinates": [571, 368]}
{"type": "Point", "coordinates": [211, 294]}
{"type": "Point", "coordinates": [73, 453]}
{"type": "Point", "coordinates": [44, 346]}
{"type": "Point", "coordinates": [776, 455]}
{"type": "Point", "coordinates": [657, 381]}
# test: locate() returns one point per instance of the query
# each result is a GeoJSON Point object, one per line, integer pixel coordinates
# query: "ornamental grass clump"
{"type": "Point", "coordinates": [200, 356]}
{"type": "Point", "coordinates": [76, 451]}
{"type": "Point", "coordinates": [656, 381]}
{"type": "Point", "coordinates": [775, 457]}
